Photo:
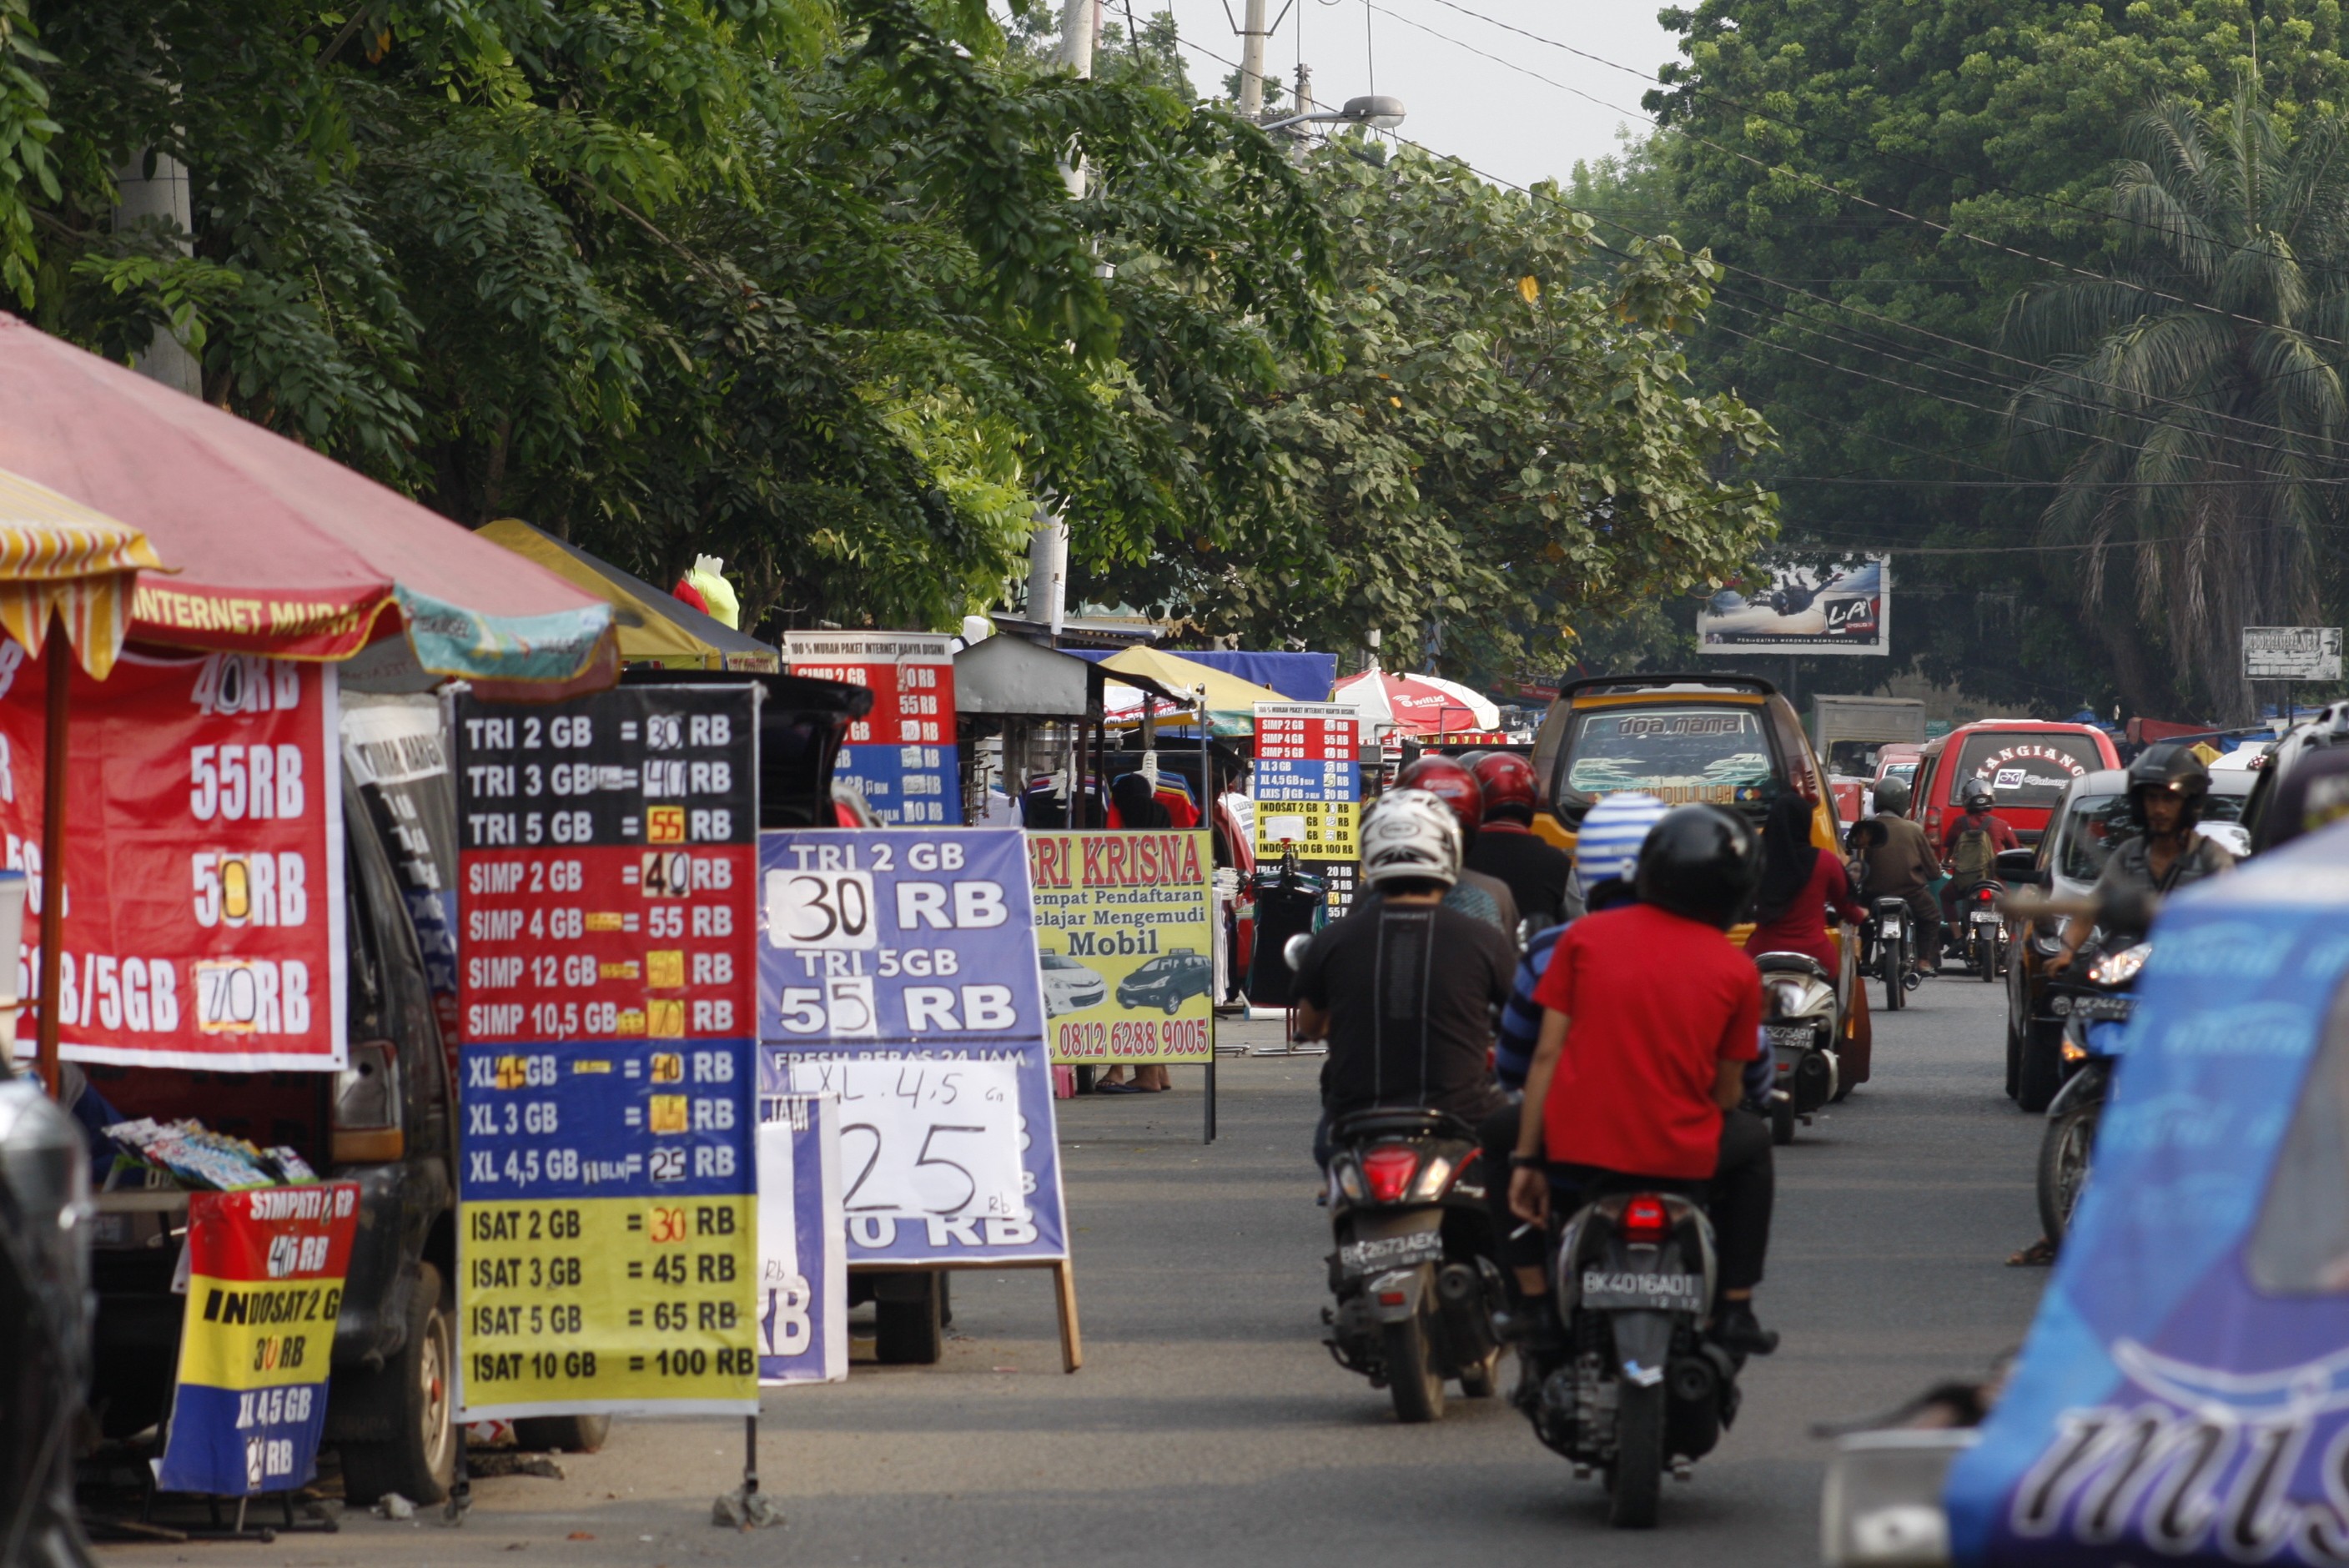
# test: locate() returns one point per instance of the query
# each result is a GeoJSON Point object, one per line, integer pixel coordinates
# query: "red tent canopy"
{"type": "Point", "coordinates": [280, 551]}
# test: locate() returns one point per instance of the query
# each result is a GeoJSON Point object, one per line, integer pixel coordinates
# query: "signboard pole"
{"type": "Point", "coordinates": [1207, 805]}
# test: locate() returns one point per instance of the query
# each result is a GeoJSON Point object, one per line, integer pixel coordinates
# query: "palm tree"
{"type": "Point", "coordinates": [2193, 398]}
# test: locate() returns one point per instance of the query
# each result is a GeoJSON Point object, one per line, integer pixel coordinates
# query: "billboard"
{"type": "Point", "coordinates": [1830, 604]}
{"type": "Point", "coordinates": [2291, 653]}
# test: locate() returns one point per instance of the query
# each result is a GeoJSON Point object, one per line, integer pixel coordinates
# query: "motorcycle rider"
{"type": "Point", "coordinates": [1969, 850]}
{"type": "Point", "coordinates": [1506, 847]}
{"type": "Point", "coordinates": [1486, 897]}
{"type": "Point", "coordinates": [2167, 785]}
{"type": "Point", "coordinates": [1406, 987]}
{"type": "Point", "coordinates": [1649, 1020]}
{"type": "Point", "coordinates": [1899, 863]}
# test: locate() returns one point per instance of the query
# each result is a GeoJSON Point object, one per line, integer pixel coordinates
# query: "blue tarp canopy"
{"type": "Point", "coordinates": [2184, 1393]}
{"type": "Point", "coordinates": [1300, 677]}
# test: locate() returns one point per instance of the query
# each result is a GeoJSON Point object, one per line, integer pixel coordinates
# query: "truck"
{"type": "Point", "coordinates": [1847, 730]}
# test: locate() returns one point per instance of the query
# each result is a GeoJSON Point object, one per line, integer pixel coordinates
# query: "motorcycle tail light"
{"type": "Point", "coordinates": [1983, 895]}
{"type": "Point", "coordinates": [1644, 1218]}
{"type": "Point", "coordinates": [1389, 1168]}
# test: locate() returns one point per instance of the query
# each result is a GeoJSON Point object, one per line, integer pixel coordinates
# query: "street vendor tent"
{"type": "Point", "coordinates": [1231, 701]}
{"type": "Point", "coordinates": [653, 628]}
{"type": "Point", "coordinates": [280, 550]}
{"type": "Point", "coordinates": [2183, 1395]}
{"type": "Point", "coordinates": [1298, 677]}
{"type": "Point", "coordinates": [1420, 705]}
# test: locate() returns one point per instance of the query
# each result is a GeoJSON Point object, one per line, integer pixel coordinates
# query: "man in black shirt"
{"type": "Point", "coordinates": [1406, 989]}
{"type": "Point", "coordinates": [1506, 847]}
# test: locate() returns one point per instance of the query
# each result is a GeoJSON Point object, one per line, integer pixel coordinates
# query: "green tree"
{"type": "Point", "coordinates": [2195, 403]}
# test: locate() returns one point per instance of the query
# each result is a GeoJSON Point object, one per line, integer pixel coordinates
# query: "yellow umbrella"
{"type": "Point", "coordinates": [1231, 701]}
{"type": "Point", "coordinates": [62, 561]}
{"type": "Point", "coordinates": [653, 628]}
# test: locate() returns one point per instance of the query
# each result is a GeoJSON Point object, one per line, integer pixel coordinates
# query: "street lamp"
{"type": "Point", "coordinates": [1379, 113]}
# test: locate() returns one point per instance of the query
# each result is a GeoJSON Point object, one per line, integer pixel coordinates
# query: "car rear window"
{"type": "Point", "coordinates": [1681, 753]}
{"type": "Point", "coordinates": [2097, 823]}
{"type": "Point", "coordinates": [2024, 769]}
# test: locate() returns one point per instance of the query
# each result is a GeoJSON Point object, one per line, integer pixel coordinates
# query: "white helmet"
{"type": "Point", "coordinates": [1411, 834]}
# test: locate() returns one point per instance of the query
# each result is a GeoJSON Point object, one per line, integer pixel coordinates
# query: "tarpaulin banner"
{"type": "Point", "coordinates": [265, 1271]}
{"type": "Point", "coordinates": [802, 1251]}
{"type": "Point", "coordinates": [1308, 791]}
{"type": "Point", "coordinates": [901, 757]}
{"type": "Point", "coordinates": [204, 877]}
{"type": "Point", "coordinates": [608, 1236]}
{"type": "Point", "coordinates": [897, 971]}
{"type": "Point", "coordinates": [1125, 933]}
{"type": "Point", "coordinates": [2183, 1395]}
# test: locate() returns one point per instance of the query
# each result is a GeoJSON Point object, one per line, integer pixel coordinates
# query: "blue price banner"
{"type": "Point", "coordinates": [803, 1251]}
{"type": "Point", "coordinates": [608, 1235]}
{"type": "Point", "coordinates": [897, 973]}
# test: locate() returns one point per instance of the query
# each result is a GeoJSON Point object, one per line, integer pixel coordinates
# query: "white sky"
{"type": "Point", "coordinates": [1461, 103]}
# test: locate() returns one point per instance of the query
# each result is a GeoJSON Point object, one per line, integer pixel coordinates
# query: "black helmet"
{"type": "Point", "coordinates": [1978, 796]}
{"type": "Point", "coordinates": [2170, 767]}
{"type": "Point", "coordinates": [1892, 797]}
{"type": "Point", "coordinates": [1701, 862]}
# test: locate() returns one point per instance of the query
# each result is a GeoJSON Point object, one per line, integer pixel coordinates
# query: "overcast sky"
{"type": "Point", "coordinates": [1505, 122]}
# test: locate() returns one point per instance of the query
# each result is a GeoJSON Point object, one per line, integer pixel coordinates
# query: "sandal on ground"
{"type": "Point", "coordinates": [2037, 1255]}
{"type": "Point", "coordinates": [1119, 1089]}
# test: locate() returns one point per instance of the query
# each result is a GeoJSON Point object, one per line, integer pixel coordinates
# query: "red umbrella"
{"type": "Point", "coordinates": [1426, 705]}
{"type": "Point", "coordinates": [280, 550]}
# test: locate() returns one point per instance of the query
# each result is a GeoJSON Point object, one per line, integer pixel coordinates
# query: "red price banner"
{"type": "Point", "coordinates": [204, 877]}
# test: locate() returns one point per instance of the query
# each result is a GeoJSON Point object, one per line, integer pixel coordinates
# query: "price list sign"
{"type": "Point", "coordinates": [607, 1222]}
{"type": "Point", "coordinates": [901, 757]}
{"type": "Point", "coordinates": [1308, 780]}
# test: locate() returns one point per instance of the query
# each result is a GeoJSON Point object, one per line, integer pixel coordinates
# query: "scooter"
{"type": "Point", "coordinates": [1980, 935]}
{"type": "Point", "coordinates": [2095, 1013]}
{"type": "Point", "coordinates": [1639, 1389]}
{"type": "Point", "coordinates": [1799, 1026]}
{"type": "Point", "coordinates": [1413, 1271]}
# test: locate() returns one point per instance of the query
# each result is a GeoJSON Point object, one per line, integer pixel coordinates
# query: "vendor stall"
{"type": "Point", "coordinates": [653, 628]}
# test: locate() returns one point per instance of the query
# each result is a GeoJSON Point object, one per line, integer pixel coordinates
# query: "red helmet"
{"type": "Point", "coordinates": [1456, 786]}
{"type": "Point", "coordinates": [1510, 792]}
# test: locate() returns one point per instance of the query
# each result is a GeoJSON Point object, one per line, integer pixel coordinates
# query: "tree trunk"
{"type": "Point", "coordinates": [2142, 691]}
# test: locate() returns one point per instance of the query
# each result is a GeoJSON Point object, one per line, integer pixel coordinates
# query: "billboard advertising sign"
{"type": "Point", "coordinates": [2291, 653]}
{"type": "Point", "coordinates": [1832, 605]}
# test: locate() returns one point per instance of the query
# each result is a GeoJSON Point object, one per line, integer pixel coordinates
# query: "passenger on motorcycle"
{"type": "Point", "coordinates": [1506, 847]}
{"type": "Point", "coordinates": [2167, 785]}
{"type": "Point", "coordinates": [1472, 892]}
{"type": "Point", "coordinates": [1406, 987]}
{"type": "Point", "coordinates": [1650, 1019]}
{"type": "Point", "coordinates": [1800, 885]}
{"type": "Point", "coordinates": [1901, 865]}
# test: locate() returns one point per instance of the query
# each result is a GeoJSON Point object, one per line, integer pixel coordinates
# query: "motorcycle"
{"type": "Point", "coordinates": [1982, 934]}
{"type": "Point", "coordinates": [1886, 939]}
{"type": "Point", "coordinates": [2095, 1013]}
{"type": "Point", "coordinates": [1412, 1272]}
{"type": "Point", "coordinates": [1799, 1026]}
{"type": "Point", "coordinates": [1636, 1389]}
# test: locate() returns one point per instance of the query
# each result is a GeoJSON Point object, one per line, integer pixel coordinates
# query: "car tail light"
{"type": "Point", "coordinates": [1389, 1168]}
{"type": "Point", "coordinates": [1644, 1218]}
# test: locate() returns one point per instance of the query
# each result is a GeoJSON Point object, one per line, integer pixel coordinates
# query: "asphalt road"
{"type": "Point", "coordinates": [1208, 1424]}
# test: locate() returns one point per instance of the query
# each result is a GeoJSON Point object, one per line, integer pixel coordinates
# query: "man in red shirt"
{"type": "Point", "coordinates": [1650, 1019]}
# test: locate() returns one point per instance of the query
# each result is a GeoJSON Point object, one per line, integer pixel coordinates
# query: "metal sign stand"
{"type": "Point", "coordinates": [746, 1507]}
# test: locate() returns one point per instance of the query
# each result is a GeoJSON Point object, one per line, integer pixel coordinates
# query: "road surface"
{"type": "Point", "coordinates": [1210, 1426]}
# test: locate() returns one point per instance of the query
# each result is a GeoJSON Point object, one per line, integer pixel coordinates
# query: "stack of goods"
{"type": "Point", "coordinates": [199, 1159]}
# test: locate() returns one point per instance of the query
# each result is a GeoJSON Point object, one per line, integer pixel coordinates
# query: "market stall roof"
{"type": "Point", "coordinates": [1011, 677]}
{"type": "Point", "coordinates": [61, 558]}
{"type": "Point", "coordinates": [1298, 677]}
{"type": "Point", "coordinates": [1231, 701]}
{"type": "Point", "coordinates": [653, 628]}
{"type": "Point", "coordinates": [280, 550]}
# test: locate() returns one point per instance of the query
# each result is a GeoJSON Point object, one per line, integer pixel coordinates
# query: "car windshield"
{"type": "Point", "coordinates": [2023, 768]}
{"type": "Point", "coordinates": [1054, 960]}
{"type": "Point", "coordinates": [1677, 753]}
{"type": "Point", "coordinates": [2093, 825]}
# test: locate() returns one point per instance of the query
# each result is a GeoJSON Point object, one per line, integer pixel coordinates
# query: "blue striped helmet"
{"type": "Point", "coordinates": [1607, 849]}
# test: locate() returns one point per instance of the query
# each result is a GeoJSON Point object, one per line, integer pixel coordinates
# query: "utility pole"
{"type": "Point", "coordinates": [1047, 546]}
{"type": "Point", "coordinates": [163, 198]}
{"type": "Point", "coordinates": [1252, 36]}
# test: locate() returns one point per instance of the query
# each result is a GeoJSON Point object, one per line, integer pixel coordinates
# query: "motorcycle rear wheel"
{"type": "Point", "coordinates": [2066, 1154]}
{"type": "Point", "coordinates": [1782, 1121]}
{"type": "Point", "coordinates": [1987, 963]}
{"type": "Point", "coordinates": [1635, 1481]}
{"type": "Point", "coordinates": [1411, 1377]}
{"type": "Point", "coordinates": [1895, 975]}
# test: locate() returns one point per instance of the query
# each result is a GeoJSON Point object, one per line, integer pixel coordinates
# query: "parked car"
{"type": "Point", "coordinates": [1168, 982]}
{"type": "Point", "coordinates": [2087, 823]}
{"type": "Point", "coordinates": [2027, 763]}
{"type": "Point", "coordinates": [1069, 985]}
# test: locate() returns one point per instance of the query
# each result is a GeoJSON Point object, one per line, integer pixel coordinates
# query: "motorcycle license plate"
{"type": "Point", "coordinates": [1793, 1037]}
{"type": "Point", "coordinates": [1986, 917]}
{"type": "Point", "coordinates": [2104, 1010]}
{"type": "Point", "coordinates": [1377, 1256]}
{"type": "Point", "coordinates": [1606, 1288]}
